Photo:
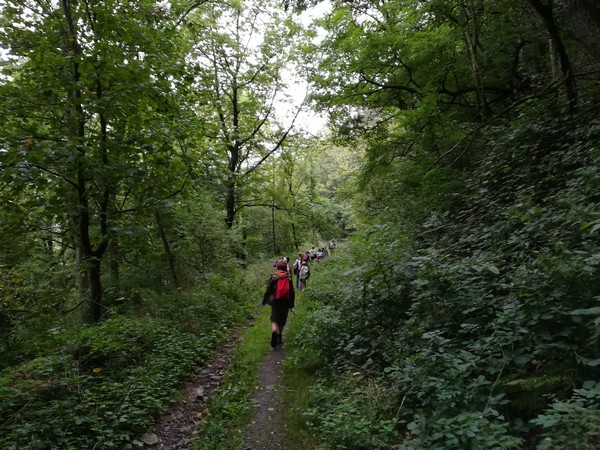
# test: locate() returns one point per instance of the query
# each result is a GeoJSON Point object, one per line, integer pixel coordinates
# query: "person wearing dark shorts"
{"type": "Point", "coordinates": [280, 307]}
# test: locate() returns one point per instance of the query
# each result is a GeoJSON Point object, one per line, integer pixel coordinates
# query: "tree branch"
{"type": "Point", "coordinates": [481, 126]}
{"type": "Point", "coordinates": [280, 142]}
{"type": "Point", "coordinates": [190, 8]}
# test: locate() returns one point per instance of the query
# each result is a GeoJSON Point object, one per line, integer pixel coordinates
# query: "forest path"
{"type": "Point", "coordinates": [266, 430]}
{"type": "Point", "coordinates": [179, 427]}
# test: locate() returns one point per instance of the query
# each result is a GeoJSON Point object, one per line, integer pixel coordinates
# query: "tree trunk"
{"type": "Point", "coordinates": [471, 35]}
{"type": "Point", "coordinates": [294, 235]}
{"type": "Point", "coordinates": [83, 285]}
{"type": "Point", "coordinates": [76, 129]}
{"type": "Point", "coordinates": [167, 249]}
{"type": "Point", "coordinates": [229, 204]}
{"type": "Point", "coordinates": [94, 277]}
{"type": "Point", "coordinates": [273, 228]}
{"type": "Point", "coordinates": [114, 258]}
{"type": "Point", "coordinates": [234, 149]}
{"type": "Point", "coordinates": [467, 18]}
{"type": "Point", "coordinates": [584, 18]}
{"type": "Point", "coordinates": [289, 172]}
{"type": "Point", "coordinates": [546, 12]}
{"type": "Point", "coordinates": [273, 212]}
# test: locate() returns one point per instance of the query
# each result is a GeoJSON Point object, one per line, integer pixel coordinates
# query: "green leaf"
{"type": "Point", "coordinates": [595, 311]}
{"type": "Point", "coordinates": [493, 269]}
{"type": "Point", "coordinates": [521, 360]}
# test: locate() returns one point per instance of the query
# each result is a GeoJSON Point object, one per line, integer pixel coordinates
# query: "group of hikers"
{"type": "Point", "coordinates": [280, 293]}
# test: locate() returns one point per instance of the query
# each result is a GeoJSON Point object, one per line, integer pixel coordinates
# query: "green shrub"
{"type": "Point", "coordinates": [350, 414]}
{"type": "Point", "coordinates": [104, 385]}
{"type": "Point", "coordinates": [572, 423]}
{"type": "Point", "coordinates": [478, 319]}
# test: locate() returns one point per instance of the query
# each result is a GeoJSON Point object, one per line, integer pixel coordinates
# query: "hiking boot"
{"type": "Point", "coordinates": [279, 339]}
{"type": "Point", "coordinates": [274, 339]}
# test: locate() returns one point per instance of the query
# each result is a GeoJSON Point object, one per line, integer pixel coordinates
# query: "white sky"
{"type": "Point", "coordinates": [308, 121]}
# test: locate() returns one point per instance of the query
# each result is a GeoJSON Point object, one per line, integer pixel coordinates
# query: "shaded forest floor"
{"type": "Point", "coordinates": [267, 427]}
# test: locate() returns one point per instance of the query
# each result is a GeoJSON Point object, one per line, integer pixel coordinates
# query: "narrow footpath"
{"type": "Point", "coordinates": [178, 428]}
{"type": "Point", "coordinates": [266, 430]}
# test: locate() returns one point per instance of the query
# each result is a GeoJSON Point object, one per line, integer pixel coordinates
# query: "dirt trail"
{"type": "Point", "coordinates": [267, 429]}
{"type": "Point", "coordinates": [179, 426]}
{"type": "Point", "coordinates": [177, 429]}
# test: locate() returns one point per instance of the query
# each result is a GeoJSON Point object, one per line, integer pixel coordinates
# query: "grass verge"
{"type": "Point", "coordinates": [298, 379]}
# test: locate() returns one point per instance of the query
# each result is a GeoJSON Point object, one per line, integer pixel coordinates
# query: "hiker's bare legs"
{"type": "Point", "coordinates": [276, 334]}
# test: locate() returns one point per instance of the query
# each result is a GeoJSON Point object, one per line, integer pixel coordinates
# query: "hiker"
{"type": "Point", "coordinates": [296, 267]}
{"type": "Point", "coordinates": [313, 254]}
{"type": "Point", "coordinates": [304, 275]}
{"type": "Point", "coordinates": [281, 296]}
{"type": "Point", "coordinates": [289, 267]}
{"type": "Point", "coordinates": [319, 254]}
{"type": "Point", "coordinates": [331, 246]}
{"type": "Point", "coordinates": [306, 256]}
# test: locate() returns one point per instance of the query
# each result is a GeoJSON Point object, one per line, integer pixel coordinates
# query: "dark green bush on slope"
{"type": "Point", "coordinates": [483, 331]}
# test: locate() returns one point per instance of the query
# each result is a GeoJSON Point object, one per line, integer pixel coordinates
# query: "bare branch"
{"type": "Point", "coordinates": [277, 146]}
{"type": "Point", "coordinates": [472, 134]}
{"type": "Point", "coordinates": [190, 8]}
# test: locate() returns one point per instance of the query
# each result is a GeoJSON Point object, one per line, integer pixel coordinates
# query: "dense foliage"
{"type": "Point", "coordinates": [142, 165]}
{"type": "Point", "coordinates": [120, 247]}
{"type": "Point", "coordinates": [483, 331]}
{"type": "Point", "coordinates": [103, 386]}
{"type": "Point", "coordinates": [466, 311]}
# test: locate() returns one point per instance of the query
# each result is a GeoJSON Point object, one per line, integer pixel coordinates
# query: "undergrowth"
{"type": "Point", "coordinates": [231, 409]}
{"type": "Point", "coordinates": [102, 386]}
{"type": "Point", "coordinates": [298, 378]}
{"type": "Point", "coordinates": [480, 329]}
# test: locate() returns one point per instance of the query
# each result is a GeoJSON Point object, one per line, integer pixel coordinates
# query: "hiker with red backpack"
{"type": "Point", "coordinates": [281, 296]}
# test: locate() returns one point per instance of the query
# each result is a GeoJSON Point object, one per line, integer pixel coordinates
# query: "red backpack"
{"type": "Point", "coordinates": [283, 289]}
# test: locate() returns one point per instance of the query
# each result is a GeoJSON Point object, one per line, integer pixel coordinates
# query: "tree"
{"type": "Point", "coordinates": [546, 12]}
{"type": "Point", "coordinates": [428, 77]}
{"type": "Point", "coordinates": [584, 18]}
{"type": "Point", "coordinates": [307, 187]}
{"type": "Point", "coordinates": [85, 89]}
{"type": "Point", "coordinates": [240, 52]}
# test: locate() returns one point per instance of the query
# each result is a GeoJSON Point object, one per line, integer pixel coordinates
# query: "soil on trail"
{"type": "Point", "coordinates": [178, 428]}
{"type": "Point", "coordinates": [268, 427]}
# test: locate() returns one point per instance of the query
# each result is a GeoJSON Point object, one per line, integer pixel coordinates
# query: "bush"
{"type": "Point", "coordinates": [479, 326]}
{"type": "Point", "coordinates": [104, 385]}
